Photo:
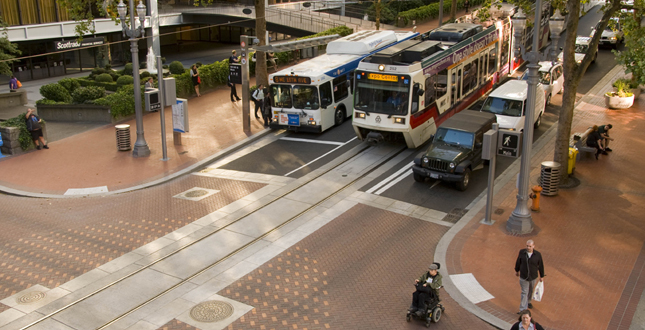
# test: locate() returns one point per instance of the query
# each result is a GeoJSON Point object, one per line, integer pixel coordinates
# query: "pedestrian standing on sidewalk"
{"type": "Point", "coordinates": [196, 79]}
{"type": "Point", "coordinates": [594, 140]}
{"type": "Point", "coordinates": [233, 90]}
{"type": "Point", "coordinates": [13, 84]}
{"type": "Point", "coordinates": [33, 126]}
{"type": "Point", "coordinates": [604, 134]}
{"type": "Point", "coordinates": [266, 112]}
{"type": "Point", "coordinates": [530, 268]}
{"type": "Point", "coordinates": [526, 322]}
{"type": "Point", "coordinates": [258, 99]}
{"type": "Point", "coordinates": [466, 5]}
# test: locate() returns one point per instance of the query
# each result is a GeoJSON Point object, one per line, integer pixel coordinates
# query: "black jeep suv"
{"type": "Point", "coordinates": [456, 149]}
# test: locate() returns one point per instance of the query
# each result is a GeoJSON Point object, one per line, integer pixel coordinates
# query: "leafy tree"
{"type": "Point", "coordinates": [8, 51]}
{"type": "Point", "coordinates": [84, 12]}
{"type": "Point", "coordinates": [633, 57]}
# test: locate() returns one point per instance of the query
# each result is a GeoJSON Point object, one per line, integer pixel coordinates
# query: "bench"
{"type": "Point", "coordinates": [580, 141]}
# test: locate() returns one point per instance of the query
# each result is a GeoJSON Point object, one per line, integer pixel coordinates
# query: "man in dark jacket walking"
{"type": "Point", "coordinates": [528, 266]}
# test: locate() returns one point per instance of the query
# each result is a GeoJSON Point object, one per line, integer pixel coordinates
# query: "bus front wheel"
{"type": "Point", "coordinates": [339, 116]}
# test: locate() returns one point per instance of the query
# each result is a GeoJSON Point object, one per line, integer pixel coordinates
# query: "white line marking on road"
{"type": "Point", "coordinates": [393, 182]}
{"type": "Point", "coordinates": [434, 184]}
{"type": "Point", "coordinates": [303, 166]}
{"type": "Point", "coordinates": [313, 141]}
{"type": "Point", "coordinates": [86, 191]}
{"type": "Point", "coordinates": [391, 177]}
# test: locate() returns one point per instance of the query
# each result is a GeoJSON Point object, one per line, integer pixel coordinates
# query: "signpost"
{"type": "Point", "coordinates": [246, 110]}
{"type": "Point", "coordinates": [509, 143]}
{"type": "Point", "coordinates": [488, 153]}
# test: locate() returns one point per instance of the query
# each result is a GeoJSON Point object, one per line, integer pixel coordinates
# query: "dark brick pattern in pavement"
{"type": "Point", "coordinates": [50, 242]}
{"type": "Point", "coordinates": [177, 325]}
{"type": "Point", "coordinates": [356, 272]}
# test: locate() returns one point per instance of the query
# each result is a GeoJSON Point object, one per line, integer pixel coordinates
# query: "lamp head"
{"type": "Point", "coordinates": [556, 23]}
{"type": "Point", "coordinates": [122, 9]}
{"type": "Point", "coordinates": [141, 10]}
{"type": "Point", "coordinates": [519, 20]}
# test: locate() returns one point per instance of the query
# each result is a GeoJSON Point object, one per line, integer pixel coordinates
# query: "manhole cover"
{"type": "Point", "coordinates": [455, 215]}
{"type": "Point", "coordinates": [499, 211]}
{"type": "Point", "coordinates": [211, 311]}
{"type": "Point", "coordinates": [31, 297]}
{"type": "Point", "coordinates": [196, 193]}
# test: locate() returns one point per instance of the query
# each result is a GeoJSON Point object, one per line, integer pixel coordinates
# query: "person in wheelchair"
{"type": "Point", "coordinates": [427, 290]}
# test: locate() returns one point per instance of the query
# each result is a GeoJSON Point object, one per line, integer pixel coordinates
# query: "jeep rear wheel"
{"type": "Point", "coordinates": [419, 177]}
{"type": "Point", "coordinates": [463, 184]}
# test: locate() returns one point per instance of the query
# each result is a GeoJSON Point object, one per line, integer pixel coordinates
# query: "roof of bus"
{"type": "Point", "coordinates": [334, 64]}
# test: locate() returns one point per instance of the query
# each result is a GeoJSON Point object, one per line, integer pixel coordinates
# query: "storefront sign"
{"type": "Point", "coordinates": [73, 44]}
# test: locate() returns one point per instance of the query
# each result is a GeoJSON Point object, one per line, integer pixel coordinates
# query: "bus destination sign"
{"type": "Point", "coordinates": [383, 77]}
{"type": "Point", "coordinates": [291, 80]}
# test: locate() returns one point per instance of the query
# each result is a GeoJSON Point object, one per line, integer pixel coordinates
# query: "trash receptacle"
{"type": "Point", "coordinates": [550, 178]}
{"type": "Point", "coordinates": [123, 137]}
{"type": "Point", "coordinates": [573, 155]}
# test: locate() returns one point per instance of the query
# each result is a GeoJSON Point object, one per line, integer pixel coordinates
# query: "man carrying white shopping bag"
{"type": "Point", "coordinates": [530, 268]}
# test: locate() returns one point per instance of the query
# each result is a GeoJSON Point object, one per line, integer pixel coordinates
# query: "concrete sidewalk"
{"type": "Point", "coordinates": [591, 237]}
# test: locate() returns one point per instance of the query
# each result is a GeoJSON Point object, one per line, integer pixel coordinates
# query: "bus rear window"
{"type": "Point", "coordinates": [281, 96]}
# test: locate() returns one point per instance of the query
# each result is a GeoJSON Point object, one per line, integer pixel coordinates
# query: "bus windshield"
{"type": "Point", "coordinates": [503, 107]}
{"type": "Point", "coordinates": [382, 96]}
{"type": "Point", "coordinates": [305, 97]}
{"type": "Point", "coordinates": [281, 96]}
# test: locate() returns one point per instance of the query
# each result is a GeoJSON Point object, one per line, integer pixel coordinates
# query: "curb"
{"type": "Point", "coordinates": [479, 203]}
{"type": "Point", "coordinates": [219, 155]}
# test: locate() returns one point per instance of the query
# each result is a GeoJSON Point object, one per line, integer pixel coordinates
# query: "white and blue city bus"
{"type": "Point", "coordinates": [317, 94]}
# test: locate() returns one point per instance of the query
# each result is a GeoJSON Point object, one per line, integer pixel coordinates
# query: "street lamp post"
{"type": "Point", "coordinates": [556, 25]}
{"type": "Point", "coordinates": [140, 146]}
{"type": "Point", "coordinates": [520, 221]}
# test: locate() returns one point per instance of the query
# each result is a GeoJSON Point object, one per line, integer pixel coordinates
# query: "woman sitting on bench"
{"type": "Point", "coordinates": [594, 140]}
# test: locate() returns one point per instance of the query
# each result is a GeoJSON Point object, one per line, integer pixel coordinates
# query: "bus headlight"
{"type": "Point", "coordinates": [312, 122]}
{"type": "Point", "coordinates": [452, 165]}
{"type": "Point", "coordinates": [359, 115]}
{"type": "Point", "coordinates": [399, 120]}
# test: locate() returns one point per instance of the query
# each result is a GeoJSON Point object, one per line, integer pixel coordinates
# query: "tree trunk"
{"type": "Point", "coordinates": [261, 76]}
{"type": "Point", "coordinates": [377, 9]}
{"type": "Point", "coordinates": [573, 73]}
{"type": "Point", "coordinates": [453, 10]}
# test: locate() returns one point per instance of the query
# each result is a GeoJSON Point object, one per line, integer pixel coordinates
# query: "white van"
{"type": "Point", "coordinates": [508, 102]}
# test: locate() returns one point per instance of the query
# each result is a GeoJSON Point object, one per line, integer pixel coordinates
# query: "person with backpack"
{"type": "Point", "coordinates": [266, 113]}
{"type": "Point", "coordinates": [233, 89]}
{"type": "Point", "coordinates": [13, 84]}
{"type": "Point", "coordinates": [33, 126]}
{"type": "Point", "coordinates": [258, 99]}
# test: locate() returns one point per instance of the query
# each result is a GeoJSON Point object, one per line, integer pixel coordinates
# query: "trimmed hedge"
{"type": "Point", "coordinates": [124, 80]}
{"type": "Point", "coordinates": [19, 121]}
{"type": "Point", "coordinates": [176, 67]}
{"type": "Point", "coordinates": [70, 84]}
{"type": "Point", "coordinates": [55, 92]}
{"type": "Point", "coordinates": [121, 103]}
{"type": "Point", "coordinates": [431, 11]}
{"type": "Point", "coordinates": [111, 86]}
{"type": "Point", "coordinates": [87, 94]}
{"type": "Point", "coordinates": [128, 69]}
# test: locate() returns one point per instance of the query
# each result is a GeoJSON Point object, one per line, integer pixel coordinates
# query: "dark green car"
{"type": "Point", "coordinates": [455, 150]}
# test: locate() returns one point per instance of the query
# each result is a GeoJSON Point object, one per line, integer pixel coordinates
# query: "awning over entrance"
{"type": "Point", "coordinates": [298, 44]}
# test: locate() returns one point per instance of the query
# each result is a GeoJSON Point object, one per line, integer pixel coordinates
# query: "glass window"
{"type": "Point", "coordinates": [340, 88]}
{"type": "Point", "coordinates": [325, 94]}
{"type": "Point", "coordinates": [545, 77]}
{"type": "Point", "coordinates": [305, 97]}
{"type": "Point", "coordinates": [351, 81]}
{"type": "Point", "coordinates": [441, 83]}
{"type": "Point", "coordinates": [458, 84]}
{"type": "Point", "coordinates": [429, 93]}
{"type": "Point", "coordinates": [281, 96]}
{"type": "Point", "coordinates": [454, 137]}
{"type": "Point", "coordinates": [503, 107]}
{"type": "Point", "coordinates": [492, 60]}
{"type": "Point", "coordinates": [387, 97]}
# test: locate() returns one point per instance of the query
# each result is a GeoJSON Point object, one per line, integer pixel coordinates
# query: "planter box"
{"type": "Point", "coordinates": [11, 144]}
{"type": "Point", "coordinates": [8, 100]}
{"type": "Point", "coordinates": [76, 113]}
{"type": "Point", "coordinates": [617, 102]}
{"type": "Point", "coordinates": [636, 92]}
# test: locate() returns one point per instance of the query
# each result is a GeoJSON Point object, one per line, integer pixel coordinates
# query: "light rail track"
{"type": "Point", "coordinates": [354, 153]}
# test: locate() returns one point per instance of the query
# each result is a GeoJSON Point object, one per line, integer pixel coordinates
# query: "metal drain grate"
{"type": "Point", "coordinates": [499, 211]}
{"type": "Point", "coordinates": [454, 215]}
{"type": "Point", "coordinates": [211, 311]}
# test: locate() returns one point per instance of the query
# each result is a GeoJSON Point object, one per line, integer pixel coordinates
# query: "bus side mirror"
{"type": "Point", "coordinates": [478, 145]}
{"type": "Point", "coordinates": [420, 92]}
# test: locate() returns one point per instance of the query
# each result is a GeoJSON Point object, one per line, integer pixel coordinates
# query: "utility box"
{"type": "Point", "coordinates": [170, 91]}
{"type": "Point", "coordinates": [490, 145]}
{"type": "Point", "coordinates": [153, 103]}
{"type": "Point", "coordinates": [180, 116]}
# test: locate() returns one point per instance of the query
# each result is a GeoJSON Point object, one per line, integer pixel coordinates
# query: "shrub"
{"type": "Point", "coordinates": [114, 76]}
{"type": "Point", "coordinates": [124, 80]}
{"type": "Point", "coordinates": [25, 137]}
{"type": "Point", "coordinates": [104, 77]}
{"type": "Point", "coordinates": [108, 67]}
{"type": "Point", "coordinates": [198, 64]}
{"type": "Point", "coordinates": [128, 69]}
{"type": "Point", "coordinates": [111, 86]}
{"type": "Point", "coordinates": [176, 67]}
{"type": "Point", "coordinates": [70, 84]}
{"type": "Point", "coordinates": [55, 92]}
{"type": "Point", "coordinates": [144, 75]}
{"type": "Point", "coordinates": [46, 101]}
{"type": "Point", "coordinates": [87, 94]}
{"type": "Point", "coordinates": [98, 71]}
{"type": "Point", "coordinates": [121, 103]}
{"type": "Point", "coordinates": [163, 60]}
{"type": "Point", "coordinates": [165, 66]}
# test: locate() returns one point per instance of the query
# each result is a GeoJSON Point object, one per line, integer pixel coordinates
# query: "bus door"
{"type": "Point", "coordinates": [326, 110]}
{"type": "Point", "coordinates": [440, 89]}
{"type": "Point", "coordinates": [455, 84]}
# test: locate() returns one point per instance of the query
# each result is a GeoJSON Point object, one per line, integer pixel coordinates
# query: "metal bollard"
{"type": "Point", "coordinates": [535, 196]}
